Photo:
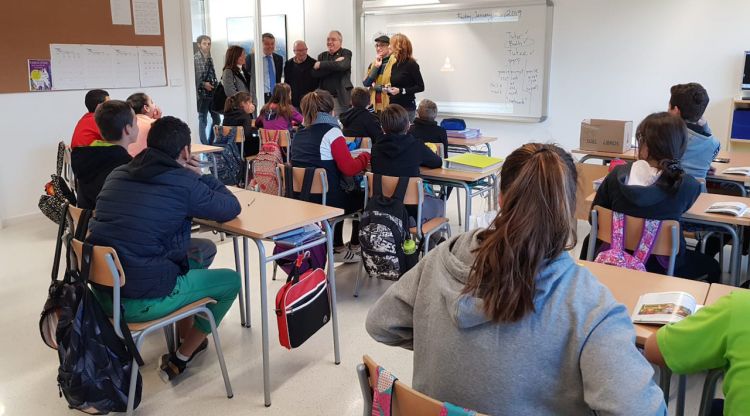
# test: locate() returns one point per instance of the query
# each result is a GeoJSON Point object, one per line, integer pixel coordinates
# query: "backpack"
{"type": "Point", "coordinates": [383, 230]}
{"type": "Point", "coordinates": [616, 254]}
{"type": "Point", "coordinates": [229, 161]}
{"type": "Point", "coordinates": [95, 363]}
{"type": "Point", "coordinates": [264, 165]}
{"type": "Point", "coordinates": [317, 258]}
{"type": "Point", "coordinates": [57, 191]}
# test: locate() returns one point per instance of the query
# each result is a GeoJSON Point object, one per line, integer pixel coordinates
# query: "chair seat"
{"type": "Point", "coordinates": [140, 326]}
{"type": "Point", "coordinates": [430, 225]}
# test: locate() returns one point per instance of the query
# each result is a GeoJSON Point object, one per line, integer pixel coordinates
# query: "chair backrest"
{"type": "Point", "coordinates": [227, 130]}
{"type": "Point", "coordinates": [414, 193]}
{"type": "Point", "coordinates": [283, 135]}
{"type": "Point", "coordinates": [633, 229]}
{"type": "Point", "coordinates": [406, 400]}
{"type": "Point", "coordinates": [100, 272]}
{"type": "Point", "coordinates": [319, 183]}
{"type": "Point", "coordinates": [75, 216]}
{"type": "Point", "coordinates": [587, 174]}
{"type": "Point", "coordinates": [366, 142]}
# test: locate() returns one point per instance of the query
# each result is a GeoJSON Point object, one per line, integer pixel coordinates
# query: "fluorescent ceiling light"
{"type": "Point", "coordinates": [392, 3]}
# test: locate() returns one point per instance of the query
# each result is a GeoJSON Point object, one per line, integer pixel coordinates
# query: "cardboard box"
{"type": "Point", "coordinates": [611, 136]}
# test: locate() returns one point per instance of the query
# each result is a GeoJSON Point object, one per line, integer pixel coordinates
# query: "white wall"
{"type": "Point", "coordinates": [322, 16]}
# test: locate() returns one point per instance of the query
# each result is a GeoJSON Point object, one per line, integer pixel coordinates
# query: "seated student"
{"type": "Point", "coordinates": [279, 113]}
{"type": "Point", "coordinates": [320, 144]}
{"type": "Point", "coordinates": [689, 101]}
{"type": "Point", "coordinates": [86, 130]}
{"type": "Point", "coordinates": [92, 164]}
{"type": "Point", "coordinates": [358, 121]}
{"type": "Point", "coordinates": [238, 111]}
{"type": "Point", "coordinates": [146, 112]}
{"type": "Point", "coordinates": [426, 129]}
{"type": "Point", "coordinates": [536, 333]}
{"type": "Point", "coordinates": [144, 211]}
{"type": "Point", "coordinates": [656, 187]}
{"type": "Point", "coordinates": [398, 153]}
{"type": "Point", "coordinates": [716, 337]}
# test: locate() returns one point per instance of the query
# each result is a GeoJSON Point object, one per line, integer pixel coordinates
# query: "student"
{"type": "Point", "coordinates": [321, 144]}
{"type": "Point", "coordinates": [358, 121]}
{"type": "Point", "coordinates": [656, 187]}
{"type": "Point", "coordinates": [278, 113]}
{"type": "Point", "coordinates": [502, 320]}
{"type": "Point", "coordinates": [426, 129]}
{"type": "Point", "coordinates": [689, 101]}
{"type": "Point", "coordinates": [86, 130]}
{"type": "Point", "coordinates": [238, 111]}
{"type": "Point", "coordinates": [92, 164]}
{"type": "Point", "coordinates": [717, 336]}
{"type": "Point", "coordinates": [144, 211]}
{"type": "Point", "coordinates": [146, 112]}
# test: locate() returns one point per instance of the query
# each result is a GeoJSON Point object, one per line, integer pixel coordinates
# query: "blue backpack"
{"type": "Point", "coordinates": [229, 161]}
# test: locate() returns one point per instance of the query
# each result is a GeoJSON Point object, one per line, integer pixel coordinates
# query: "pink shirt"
{"type": "Point", "coordinates": [144, 125]}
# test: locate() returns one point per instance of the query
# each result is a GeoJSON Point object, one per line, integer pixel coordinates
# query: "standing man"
{"type": "Point", "coordinates": [205, 82]}
{"type": "Point", "coordinates": [298, 73]}
{"type": "Point", "coordinates": [379, 74]}
{"type": "Point", "coordinates": [273, 65]}
{"type": "Point", "coordinates": [334, 69]}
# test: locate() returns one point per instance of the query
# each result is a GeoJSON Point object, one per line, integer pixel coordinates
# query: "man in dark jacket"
{"type": "Point", "coordinates": [144, 211]}
{"type": "Point", "coordinates": [298, 73]}
{"type": "Point", "coordinates": [93, 163]}
{"type": "Point", "coordinates": [358, 121]}
{"type": "Point", "coordinates": [334, 69]}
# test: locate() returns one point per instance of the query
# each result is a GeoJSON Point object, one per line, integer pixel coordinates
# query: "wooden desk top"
{"type": "Point", "coordinates": [453, 174]}
{"type": "Point", "coordinates": [736, 160]}
{"type": "Point", "coordinates": [199, 148]}
{"type": "Point", "coordinates": [455, 141]}
{"type": "Point", "coordinates": [718, 290]}
{"type": "Point", "coordinates": [698, 210]}
{"type": "Point", "coordinates": [629, 155]}
{"type": "Point", "coordinates": [264, 215]}
{"type": "Point", "coordinates": [628, 285]}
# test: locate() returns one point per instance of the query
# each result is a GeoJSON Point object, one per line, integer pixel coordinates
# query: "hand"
{"type": "Point", "coordinates": [251, 107]}
{"type": "Point", "coordinates": [339, 59]}
{"type": "Point", "coordinates": [378, 61]}
{"type": "Point", "coordinates": [317, 65]}
{"type": "Point", "coordinates": [207, 86]}
{"type": "Point", "coordinates": [394, 90]}
{"type": "Point", "coordinates": [194, 165]}
{"type": "Point", "coordinates": [711, 170]}
{"type": "Point", "coordinates": [157, 113]}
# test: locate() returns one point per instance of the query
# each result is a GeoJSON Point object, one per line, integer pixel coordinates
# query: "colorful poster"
{"type": "Point", "coordinates": [40, 75]}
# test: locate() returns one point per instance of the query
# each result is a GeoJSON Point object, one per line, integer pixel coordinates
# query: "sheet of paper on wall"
{"type": "Point", "coordinates": [98, 66]}
{"type": "Point", "coordinates": [68, 66]}
{"type": "Point", "coordinates": [146, 17]}
{"type": "Point", "coordinates": [125, 66]}
{"type": "Point", "coordinates": [151, 64]}
{"type": "Point", "coordinates": [120, 12]}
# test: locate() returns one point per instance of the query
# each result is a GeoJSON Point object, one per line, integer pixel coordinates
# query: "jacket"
{"type": "Point", "coordinates": [271, 120]}
{"type": "Point", "coordinates": [702, 149]}
{"type": "Point", "coordinates": [300, 79]}
{"type": "Point", "coordinates": [236, 80]}
{"type": "Point", "coordinates": [359, 122]}
{"type": "Point", "coordinates": [145, 210]}
{"type": "Point", "coordinates": [574, 354]}
{"type": "Point", "coordinates": [91, 166]}
{"type": "Point", "coordinates": [278, 68]}
{"type": "Point", "coordinates": [402, 155]}
{"type": "Point", "coordinates": [406, 77]}
{"type": "Point", "coordinates": [241, 118]}
{"type": "Point", "coordinates": [85, 132]}
{"type": "Point", "coordinates": [429, 132]}
{"type": "Point", "coordinates": [336, 77]}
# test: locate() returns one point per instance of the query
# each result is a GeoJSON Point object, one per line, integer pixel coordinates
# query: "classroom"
{"type": "Point", "coordinates": [401, 222]}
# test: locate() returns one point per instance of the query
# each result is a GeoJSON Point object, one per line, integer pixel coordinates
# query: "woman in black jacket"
{"type": "Point", "coordinates": [406, 79]}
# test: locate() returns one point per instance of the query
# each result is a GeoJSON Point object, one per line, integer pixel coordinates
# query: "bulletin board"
{"type": "Point", "coordinates": [27, 29]}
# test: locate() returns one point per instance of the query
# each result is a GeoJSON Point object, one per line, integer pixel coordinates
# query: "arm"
{"type": "Point", "coordinates": [348, 165]}
{"type": "Point", "coordinates": [416, 76]}
{"type": "Point", "coordinates": [374, 130]}
{"type": "Point", "coordinates": [338, 66]}
{"type": "Point", "coordinates": [372, 75]}
{"type": "Point", "coordinates": [429, 158]}
{"type": "Point", "coordinates": [296, 117]}
{"type": "Point", "coordinates": [211, 200]}
{"type": "Point", "coordinates": [228, 80]}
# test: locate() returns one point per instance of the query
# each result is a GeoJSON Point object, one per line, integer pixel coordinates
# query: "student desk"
{"type": "Point", "coordinates": [200, 149]}
{"type": "Point", "coordinates": [736, 160]}
{"type": "Point", "coordinates": [465, 145]}
{"type": "Point", "coordinates": [718, 290]}
{"type": "Point", "coordinates": [460, 179]}
{"type": "Point", "coordinates": [630, 155]}
{"type": "Point", "coordinates": [262, 217]}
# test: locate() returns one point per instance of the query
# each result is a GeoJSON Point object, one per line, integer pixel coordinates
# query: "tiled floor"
{"type": "Point", "coordinates": [304, 381]}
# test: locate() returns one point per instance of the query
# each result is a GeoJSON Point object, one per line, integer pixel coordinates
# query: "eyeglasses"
{"type": "Point", "coordinates": [300, 50]}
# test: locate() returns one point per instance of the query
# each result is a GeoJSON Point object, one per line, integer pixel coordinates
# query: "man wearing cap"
{"type": "Point", "coordinates": [379, 74]}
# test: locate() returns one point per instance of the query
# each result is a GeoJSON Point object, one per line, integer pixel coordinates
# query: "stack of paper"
{"type": "Point", "coordinates": [464, 134]}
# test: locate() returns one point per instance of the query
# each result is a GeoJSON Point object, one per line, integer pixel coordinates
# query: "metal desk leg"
{"type": "Point", "coordinates": [489, 149]}
{"type": "Point", "coordinates": [467, 208]}
{"type": "Point", "coordinates": [241, 293]}
{"type": "Point", "coordinates": [264, 322]}
{"type": "Point", "coordinates": [680, 404]}
{"type": "Point", "coordinates": [247, 282]}
{"type": "Point", "coordinates": [332, 284]}
{"type": "Point", "coordinates": [496, 191]}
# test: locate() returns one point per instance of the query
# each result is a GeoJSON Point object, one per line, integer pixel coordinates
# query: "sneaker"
{"type": "Point", "coordinates": [347, 254]}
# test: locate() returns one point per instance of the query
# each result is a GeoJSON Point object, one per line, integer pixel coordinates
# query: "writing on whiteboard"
{"type": "Point", "coordinates": [489, 16]}
{"type": "Point", "coordinates": [517, 82]}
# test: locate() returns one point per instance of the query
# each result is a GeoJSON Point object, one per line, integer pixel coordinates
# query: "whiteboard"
{"type": "Point", "coordinates": [484, 62]}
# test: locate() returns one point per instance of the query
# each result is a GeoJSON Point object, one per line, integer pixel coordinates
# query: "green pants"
{"type": "Point", "coordinates": [219, 284]}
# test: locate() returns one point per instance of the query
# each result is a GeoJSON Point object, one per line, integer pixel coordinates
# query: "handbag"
{"type": "Point", "coordinates": [219, 99]}
{"type": "Point", "coordinates": [302, 304]}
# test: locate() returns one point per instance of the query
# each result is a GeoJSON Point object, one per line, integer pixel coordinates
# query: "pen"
{"type": "Point", "coordinates": [251, 202]}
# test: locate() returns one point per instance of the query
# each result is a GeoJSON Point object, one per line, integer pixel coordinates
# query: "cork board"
{"type": "Point", "coordinates": [29, 27]}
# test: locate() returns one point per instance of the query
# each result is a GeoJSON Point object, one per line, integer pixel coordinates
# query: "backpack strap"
{"type": "Point", "coordinates": [289, 180]}
{"type": "Point", "coordinates": [307, 184]}
{"type": "Point", "coordinates": [59, 242]}
{"type": "Point", "coordinates": [649, 233]}
{"type": "Point", "coordinates": [377, 185]}
{"type": "Point", "coordinates": [60, 158]}
{"type": "Point", "coordinates": [401, 187]}
{"type": "Point", "coordinates": [83, 225]}
{"type": "Point", "coordinates": [618, 230]}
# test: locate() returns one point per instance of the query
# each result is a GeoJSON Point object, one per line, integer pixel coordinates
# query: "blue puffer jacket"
{"type": "Point", "coordinates": [144, 211]}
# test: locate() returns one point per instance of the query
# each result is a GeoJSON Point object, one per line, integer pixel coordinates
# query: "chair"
{"type": "Point", "coordinates": [709, 390]}
{"type": "Point", "coordinates": [406, 400]}
{"type": "Point", "coordinates": [414, 196]}
{"type": "Point", "coordinates": [106, 270]}
{"type": "Point", "coordinates": [667, 242]}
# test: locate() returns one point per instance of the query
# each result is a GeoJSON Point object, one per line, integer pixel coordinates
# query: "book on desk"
{"type": "Point", "coordinates": [472, 162]}
{"type": "Point", "coordinates": [664, 308]}
{"type": "Point", "coordinates": [739, 170]}
{"type": "Point", "coordinates": [737, 209]}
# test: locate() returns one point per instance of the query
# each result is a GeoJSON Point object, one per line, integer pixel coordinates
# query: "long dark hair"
{"type": "Point", "coordinates": [233, 102]}
{"type": "Point", "coordinates": [230, 59]}
{"type": "Point", "coordinates": [665, 138]}
{"type": "Point", "coordinates": [281, 97]}
{"type": "Point", "coordinates": [318, 101]}
{"type": "Point", "coordinates": [538, 188]}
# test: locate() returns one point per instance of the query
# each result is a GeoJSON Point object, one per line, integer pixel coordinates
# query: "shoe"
{"type": "Point", "coordinates": [347, 254]}
{"type": "Point", "coordinates": [170, 366]}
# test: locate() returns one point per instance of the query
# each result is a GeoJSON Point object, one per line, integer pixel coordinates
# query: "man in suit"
{"type": "Point", "coordinates": [334, 69]}
{"type": "Point", "coordinates": [273, 65]}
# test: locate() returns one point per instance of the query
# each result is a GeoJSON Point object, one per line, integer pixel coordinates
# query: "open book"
{"type": "Point", "coordinates": [738, 209]}
{"type": "Point", "coordinates": [664, 307]}
{"type": "Point", "coordinates": [740, 170]}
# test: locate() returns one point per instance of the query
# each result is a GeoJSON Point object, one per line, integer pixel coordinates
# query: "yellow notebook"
{"type": "Point", "coordinates": [473, 162]}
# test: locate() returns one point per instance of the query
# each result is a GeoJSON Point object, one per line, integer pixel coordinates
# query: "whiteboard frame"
{"type": "Point", "coordinates": [364, 10]}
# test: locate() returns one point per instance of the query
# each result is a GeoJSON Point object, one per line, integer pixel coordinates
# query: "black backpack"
{"type": "Point", "coordinates": [229, 161]}
{"type": "Point", "coordinates": [383, 229]}
{"type": "Point", "coordinates": [95, 363]}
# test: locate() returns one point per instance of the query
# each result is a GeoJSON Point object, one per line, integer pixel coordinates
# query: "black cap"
{"type": "Point", "coordinates": [382, 39]}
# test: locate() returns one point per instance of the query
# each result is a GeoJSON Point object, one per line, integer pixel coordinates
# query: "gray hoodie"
{"type": "Point", "coordinates": [574, 355]}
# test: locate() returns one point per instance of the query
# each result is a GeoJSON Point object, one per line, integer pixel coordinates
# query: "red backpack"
{"type": "Point", "coordinates": [264, 165]}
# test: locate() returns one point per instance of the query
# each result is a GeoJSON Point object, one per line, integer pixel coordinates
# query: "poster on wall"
{"type": "Point", "coordinates": [40, 75]}
{"type": "Point", "coordinates": [241, 31]}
